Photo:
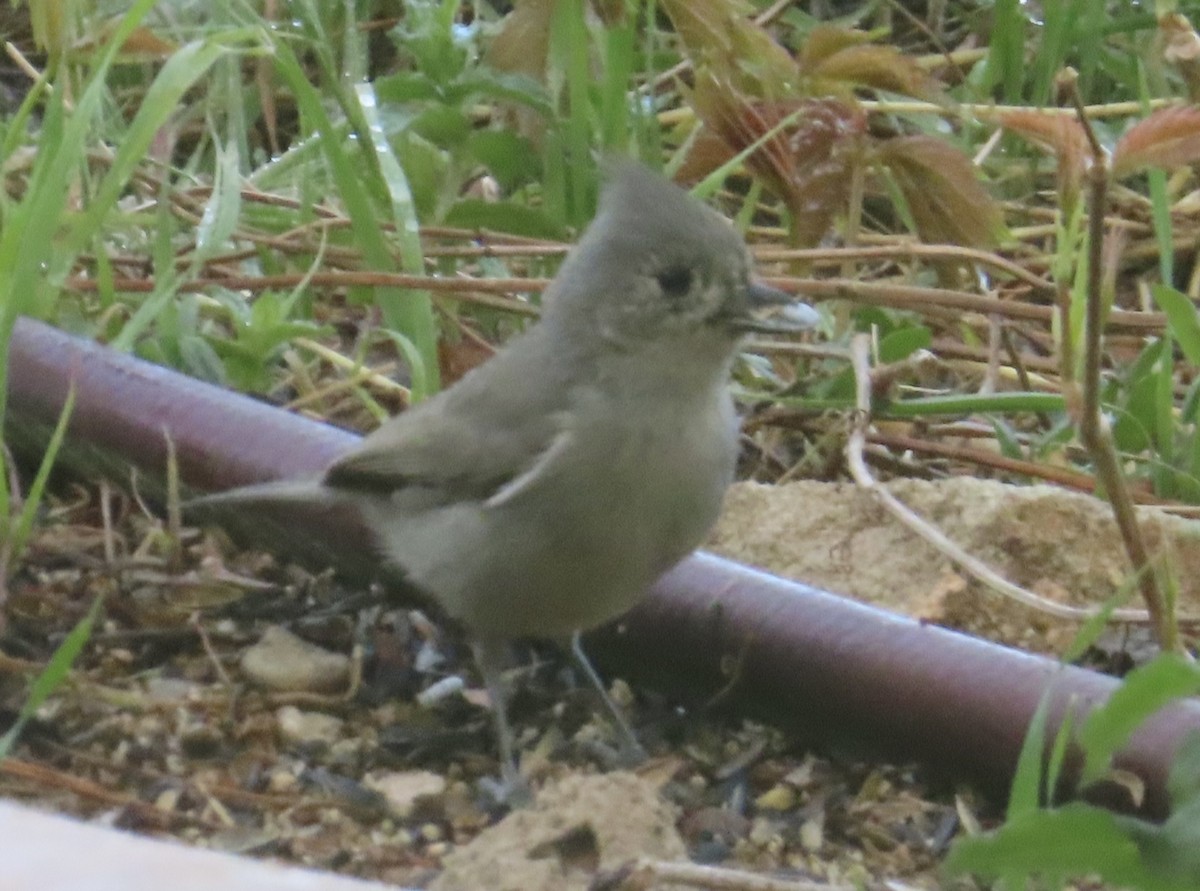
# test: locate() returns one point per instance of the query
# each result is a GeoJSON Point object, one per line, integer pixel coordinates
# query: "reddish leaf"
{"type": "Point", "coordinates": [1168, 138]}
{"type": "Point", "coordinates": [705, 24]}
{"type": "Point", "coordinates": [523, 42]}
{"type": "Point", "coordinates": [808, 163]}
{"type": "Point", "coordinates": [877, 67]}
{"type": "Point", "coordinates": [1058, 134]}
{"type": "Point", "coordinates": [146, 44]}
{"type": "Point", "coordinates": [456, 358]}
{"type": "Point", "coordinates": [825, 40]}
{"type": "Point", "coordinates": [948, 203]}
{"type": "Point", "coordinates": [707, 152]}
{"type": "Point", "coordinates": [720, 36]}
{"type": "Point", "coordinates": [739, 123]}
{"type": "Point", "coordinates": [142, 43]}
{"type": "Point", "coordinates": [1181, 47]}
{"type": "Point", "coordinates": [826, 145]}
{"type": "Point", "coordinates": [1062, 137]}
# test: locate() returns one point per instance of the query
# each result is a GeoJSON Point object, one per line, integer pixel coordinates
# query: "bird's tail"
{"type": "Point", "coordinates": [277, 493]}
{"type": "Point", "coordinates": [299, 519]}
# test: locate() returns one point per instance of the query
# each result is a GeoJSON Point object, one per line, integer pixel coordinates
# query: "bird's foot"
{"type": "Point", "coordinates": [509, 790]}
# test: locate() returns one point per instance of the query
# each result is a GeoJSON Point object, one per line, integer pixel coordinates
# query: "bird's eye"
{"type": "Point", "coordinates": [675, 280]}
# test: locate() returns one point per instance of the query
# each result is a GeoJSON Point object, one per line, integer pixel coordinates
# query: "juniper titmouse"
{"type": "Point", "coordinates": [543, 493]}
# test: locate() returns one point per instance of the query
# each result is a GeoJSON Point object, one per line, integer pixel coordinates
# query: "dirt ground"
{"type": "Point", "coordinates": [1058, 544]}
{"type": "Point", "coordinates": [247, 706]}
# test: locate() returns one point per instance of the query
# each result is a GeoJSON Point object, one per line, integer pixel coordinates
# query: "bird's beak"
{"type": "Point", "coordinates": [791, 314]}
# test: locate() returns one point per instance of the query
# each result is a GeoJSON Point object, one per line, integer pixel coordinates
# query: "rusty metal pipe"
{"type": "Point", "coordinates": [822, 665]}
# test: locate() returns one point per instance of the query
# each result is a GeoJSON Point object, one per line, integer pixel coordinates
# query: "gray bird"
{"type": "Point", "coordinates": [543, 493]}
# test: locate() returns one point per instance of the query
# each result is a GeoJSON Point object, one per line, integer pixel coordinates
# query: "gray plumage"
{"type": "Point", "coordinates": [544, 492]}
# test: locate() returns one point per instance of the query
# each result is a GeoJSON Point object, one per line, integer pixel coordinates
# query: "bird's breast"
{"type": "Point", "coordinates": [620, 500]}
{"type": "Point", "coordinates": [630, 499]}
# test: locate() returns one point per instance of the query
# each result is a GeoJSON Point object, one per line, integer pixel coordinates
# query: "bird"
{"type": "Point", "coordinates": [544, 492]}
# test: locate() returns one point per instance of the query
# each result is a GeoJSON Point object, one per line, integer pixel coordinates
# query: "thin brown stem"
{"type": "Point", "coordinates": [1094, 430]}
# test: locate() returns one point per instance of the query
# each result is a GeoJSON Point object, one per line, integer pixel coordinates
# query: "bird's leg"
{"type": "Point", "coordinates": [490, 657]}
{"type": "Point", "coordinates": [631, 750]}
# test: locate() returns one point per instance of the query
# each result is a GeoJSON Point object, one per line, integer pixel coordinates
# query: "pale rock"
{"type": "Point", "coordinates": [283, 662]}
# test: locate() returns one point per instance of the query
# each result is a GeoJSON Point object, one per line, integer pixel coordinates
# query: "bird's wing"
{"type": "Point", "coordinates": [468, 443]}
{"type": "Point", "coordinates": [458, 456]}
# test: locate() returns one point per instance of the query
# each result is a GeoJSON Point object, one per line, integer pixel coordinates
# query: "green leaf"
{"type": "Point", "coordinates": [408, 312]}
{"type": "Point", "coordinates": [1184, 780]}
{"type": "Point", "coordinates": [1182, 319]}
{"type": "Point", "coordinates": [903, 342]}
{"type": "Point", "coordinates": [1007, 439]}
{"type": "Point", "coordinates": [1075, 840]}
{"type": "Point", "coordinates": [200, 360]}
{"type": "Point", "coordinates": [1058, 753]}
{"type": "Point", "coordinates": [1135, 417]}
{"type": "Point", "coordinates": [509, 157]}
{"type": "Point", "coordinates": [1134, 391]}
{"type": "Point", "coordinates": [519, 89]}
{"type": "Point", "coordinates": [502, 216]}
{"type": "Point", "coordinates": [427, 169]}
{"type": "Point", "coordinates": [1170, 852]}
{"type": "Point", "coordinates": [1006, 54]}
{"type": "Point", "coordinates": [1165, 477]}
{"type": "Point", "coordinates": [443, 125]}
{"type": "Point", "coordinates": [570, 53]}
{"type": "Point", "coordinates": [1089, 632]}
{"type": "Point", "coordinates": [405, 87]}
{"type": "Point", "coordinates": [618, 44]}
{"type": "Point", "coordinates": [1143, 692]}
{"type": "Point", "coordinates": [428, 33]}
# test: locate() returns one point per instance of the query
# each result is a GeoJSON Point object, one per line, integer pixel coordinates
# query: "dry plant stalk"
{"type": "Point", "coordinates": [1094, 430]}
{"type": "Point", "coordinates": [860, 347]}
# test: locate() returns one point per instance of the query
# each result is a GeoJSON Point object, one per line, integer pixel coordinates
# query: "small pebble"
{"type": "Point", "coordinates": [167, 800]}
{"type": "Point", "coordinates": [405, 791]}
{"type": "Point", "coordinates": [301, 727]}
{"type": "Point", "coordinates": [283, 662]}
{"type": "Point", "coordinates": [282, 781]}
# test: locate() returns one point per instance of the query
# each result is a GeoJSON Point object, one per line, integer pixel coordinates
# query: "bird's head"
{"type": "Point", "coordinates": [656, 266]}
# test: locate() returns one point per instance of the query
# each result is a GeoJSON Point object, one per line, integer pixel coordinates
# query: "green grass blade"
{"type": "Point", "coordinates": [404, 214]}
{"type": "Point", "coordinates": [1026, 795]}
{"type": "Point", "coordinates": [53, 675]}
{"type": "Point", "coordinates": [1052, 49]}
{"type": "Point", "coordinates": [615, 131]}
{"type": "Point", "coordinates": [1006, 55]}
{"type": "Point", "coordinates": [405, 314]}
{"type": "Point", "coordinates": [19, 535]}
{"type": "Point", "coordinates": [224, 207]}
{"type": "Point", "coordinates": [27, 240]}
{"type": "Point", "coordinates": [973, 403]}
{"type": "Point", "coordinates": [570, 51]}
{"type": "Point", "coordinates": [178, 75]}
